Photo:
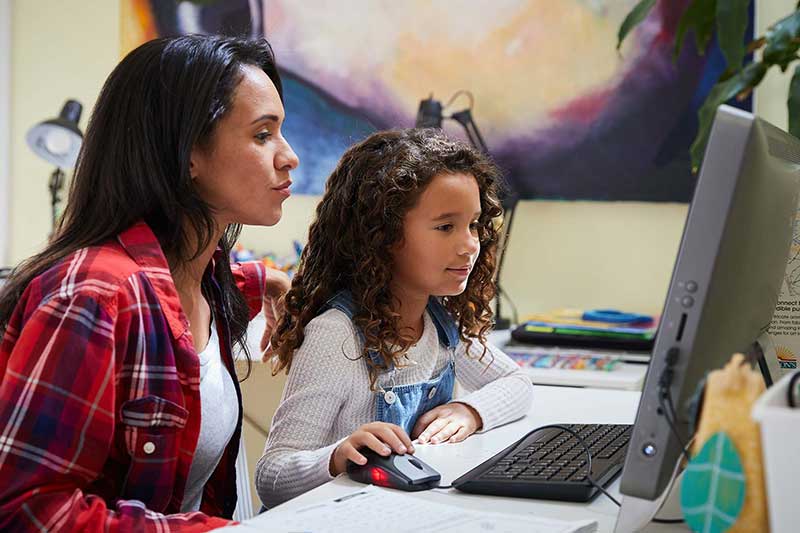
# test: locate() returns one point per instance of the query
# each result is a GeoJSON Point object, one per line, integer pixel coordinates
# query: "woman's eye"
{"type": "Point", "coordinates": [444, 227]}
{"type": "Point", "coordinates": [475, 225]}
{"type": "Point", "coordinates": [263, 136]}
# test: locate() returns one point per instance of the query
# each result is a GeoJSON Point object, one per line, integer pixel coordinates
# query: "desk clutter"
{"type": "Point", "coordinates": [569, 359]}
{"type": "Point", "coordinates": [599, 328]}
{"type": "Point", "coordinates": [549, 365]}
{"type": "Point", "coordinates": [593, 348]}
{"type": "Point", "coordinates": [287, 263]}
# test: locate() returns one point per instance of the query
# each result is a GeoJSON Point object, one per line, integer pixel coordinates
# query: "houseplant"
{"type": "Point", "coordinates": [778, 47]}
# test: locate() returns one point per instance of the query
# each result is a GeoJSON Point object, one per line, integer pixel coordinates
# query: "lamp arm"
{"type": "Point", "coordinates": [464, 117]}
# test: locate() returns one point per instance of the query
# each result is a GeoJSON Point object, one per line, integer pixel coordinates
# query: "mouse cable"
{"type": "Point", "coordinates": [585, 446]}
{"type": "Point", "coordinates": [595, 483]}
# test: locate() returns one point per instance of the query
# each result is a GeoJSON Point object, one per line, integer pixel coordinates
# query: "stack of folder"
{"type": "Point", "coordinates": [602, 329]}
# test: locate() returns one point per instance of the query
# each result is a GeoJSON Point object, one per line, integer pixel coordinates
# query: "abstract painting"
{"type": "Point", "coordinates": [564, 114]}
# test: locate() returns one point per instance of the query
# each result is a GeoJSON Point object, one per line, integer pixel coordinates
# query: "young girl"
{"type": "Point", "coordinates": [390, 305]}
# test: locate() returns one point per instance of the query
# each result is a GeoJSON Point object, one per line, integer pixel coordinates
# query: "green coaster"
{"type": "Point", "coordinates": [712, 492]}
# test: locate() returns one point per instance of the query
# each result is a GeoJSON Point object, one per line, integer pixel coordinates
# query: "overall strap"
{"type": "Point", "coordinates": [445, 324]}
{"type": "Point", "coordinates": [343, 301]}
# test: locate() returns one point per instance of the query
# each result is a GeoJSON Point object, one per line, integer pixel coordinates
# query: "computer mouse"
{"type": "Point", "coordinates": [404, 472]}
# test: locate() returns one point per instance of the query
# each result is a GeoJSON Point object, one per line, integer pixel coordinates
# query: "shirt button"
{"type": "Point", "coordinates": [149, 448]}
{"type": "Point", "coordinates": [432, 393]}
{"type": "Point", "coordinates": [390, 397]}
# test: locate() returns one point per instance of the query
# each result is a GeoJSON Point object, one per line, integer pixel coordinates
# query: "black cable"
{"type": "Point", "coordinates": [664, 393]}
{"type": "Point", "coordinates": [674, 415]}
{"type": "Point", "coordinates": [791, 400]}
{"type": "Point", "coordinates": [595, 483]}
{"type": "Point", "coordinates": [582, 442]}
{"type": "Point", "coordinates": [668, 414]}
{"type": "Point", "coordinates": [514, 312]}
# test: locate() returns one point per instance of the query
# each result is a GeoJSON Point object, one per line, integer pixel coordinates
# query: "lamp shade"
{"type": "Point", "coordinates": [429, 114]}
{"type": "Point", "coordinates": [58, 140]}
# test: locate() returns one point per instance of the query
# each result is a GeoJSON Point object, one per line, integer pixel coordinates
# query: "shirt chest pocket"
{"type": "Point", "coordinates": [152, 435]}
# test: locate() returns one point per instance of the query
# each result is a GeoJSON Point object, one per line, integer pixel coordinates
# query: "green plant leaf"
{"type": "Point", "coordinates": [741, 82]}
{"type": "Point", "coordinates": [699, 16]}
{"type": "Point", "coordinates": [732, 18]}
{"type": "Point", "coordinates": [713, 487]}
{"type": "Point", "coordinates": [793, 103]}
{"type": "Point", "coordinates": [634, 18]}
{"type": "Point", "coordinates": [783, 41]}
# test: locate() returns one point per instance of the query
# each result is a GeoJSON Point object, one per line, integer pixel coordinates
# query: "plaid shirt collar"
{"type": "Point", "coordinates": [141, 244]}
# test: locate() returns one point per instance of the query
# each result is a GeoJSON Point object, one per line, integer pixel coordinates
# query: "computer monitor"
{"type": "Point", "coordinates": [724, 287]}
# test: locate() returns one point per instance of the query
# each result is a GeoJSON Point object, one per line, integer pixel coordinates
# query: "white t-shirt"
{"type": "Point", "coordinates": [219, 413]}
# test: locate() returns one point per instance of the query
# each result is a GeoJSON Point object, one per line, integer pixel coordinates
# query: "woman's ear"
{"type": "Point", "coordinates": [195, 159]}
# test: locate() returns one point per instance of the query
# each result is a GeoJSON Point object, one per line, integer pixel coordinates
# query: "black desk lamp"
{"type": "Point", "coordinates": [430, 115]}
{"type": "Point", "coordinates": [58, 141]}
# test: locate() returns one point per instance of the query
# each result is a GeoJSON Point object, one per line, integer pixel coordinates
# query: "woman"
{"type": "Point", "coordinates": [119, 405]}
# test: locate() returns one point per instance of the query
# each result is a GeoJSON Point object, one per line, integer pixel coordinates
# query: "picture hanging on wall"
{"type": "Point", "coordinates": [563, 113]}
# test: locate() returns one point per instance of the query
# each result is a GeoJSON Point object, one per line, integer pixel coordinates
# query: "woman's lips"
{"type": "Point", "coordinates": [283, 188]}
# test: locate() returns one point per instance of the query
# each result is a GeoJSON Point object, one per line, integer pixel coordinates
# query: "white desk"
{"type": "Point", "coordinates": [551, 405]}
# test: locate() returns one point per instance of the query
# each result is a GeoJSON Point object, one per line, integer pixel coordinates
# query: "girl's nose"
{"type": "Point", "coordinates": [471, 244]}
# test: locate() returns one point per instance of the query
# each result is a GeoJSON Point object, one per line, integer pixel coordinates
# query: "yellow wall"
{"type": "Point", "coordinates": [770, 101]}
{"type": "Point", "coordinates": [581, 254]}
{"type": "Point", "coordinates": [576, 254]}
{"type": "Point", "coordinates": [60, 50]}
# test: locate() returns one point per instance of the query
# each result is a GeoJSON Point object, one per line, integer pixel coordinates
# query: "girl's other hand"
{"type": "Point", "coordinates": [451, 422]}
{"type": "Point", "coordinates": [380, 437]}
{"type": "Point", "coordinates": [277, 285]}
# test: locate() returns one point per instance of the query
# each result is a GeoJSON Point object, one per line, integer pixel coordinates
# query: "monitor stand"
{"type": "Point", "coordinates": [636, 513]}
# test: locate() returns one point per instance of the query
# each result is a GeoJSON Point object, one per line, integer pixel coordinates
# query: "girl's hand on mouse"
{"type": "Point", "coordinates": [451, 422]}
{"type": "Point", "coordinates": [381, 437]}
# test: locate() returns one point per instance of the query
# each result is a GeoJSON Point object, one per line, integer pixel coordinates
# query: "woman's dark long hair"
{"type": "Point", "coordinates": [359, 221]}
{"type": "Point", "coordinates": [163, 99]}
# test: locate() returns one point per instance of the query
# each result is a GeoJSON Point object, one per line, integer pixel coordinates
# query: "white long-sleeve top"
{"type": "Point", "coordinates": [327, 397]}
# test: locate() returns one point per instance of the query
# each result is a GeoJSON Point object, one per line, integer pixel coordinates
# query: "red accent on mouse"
{"type": "Point", "coordinates": [403, 472]}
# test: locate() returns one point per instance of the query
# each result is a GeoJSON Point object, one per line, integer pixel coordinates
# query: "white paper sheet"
{"type": "Point", "coordinates": [389, 511]}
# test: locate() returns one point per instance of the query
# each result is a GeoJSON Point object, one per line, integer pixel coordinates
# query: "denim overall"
{"type": "Point", "coordinates": [403, 404]}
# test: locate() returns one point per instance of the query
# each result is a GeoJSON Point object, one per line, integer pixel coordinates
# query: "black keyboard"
{"type": "Point", "coordinates": [550, 463]}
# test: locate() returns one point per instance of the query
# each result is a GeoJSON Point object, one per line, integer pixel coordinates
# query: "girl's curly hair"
{"type": "Point", "coordinates": [360, 220]}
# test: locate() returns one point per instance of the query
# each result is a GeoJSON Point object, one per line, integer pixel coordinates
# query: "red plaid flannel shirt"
{"type": "Point", "coordinates": [99, 396]}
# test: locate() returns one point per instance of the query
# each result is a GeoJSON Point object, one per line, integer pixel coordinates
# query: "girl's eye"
{"type": "Point", "coordinates": [263, 136]}
{"type": "Point", "coordinates": [444, 227]}
{"type": "Point", "coordinates": [474, 225]}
